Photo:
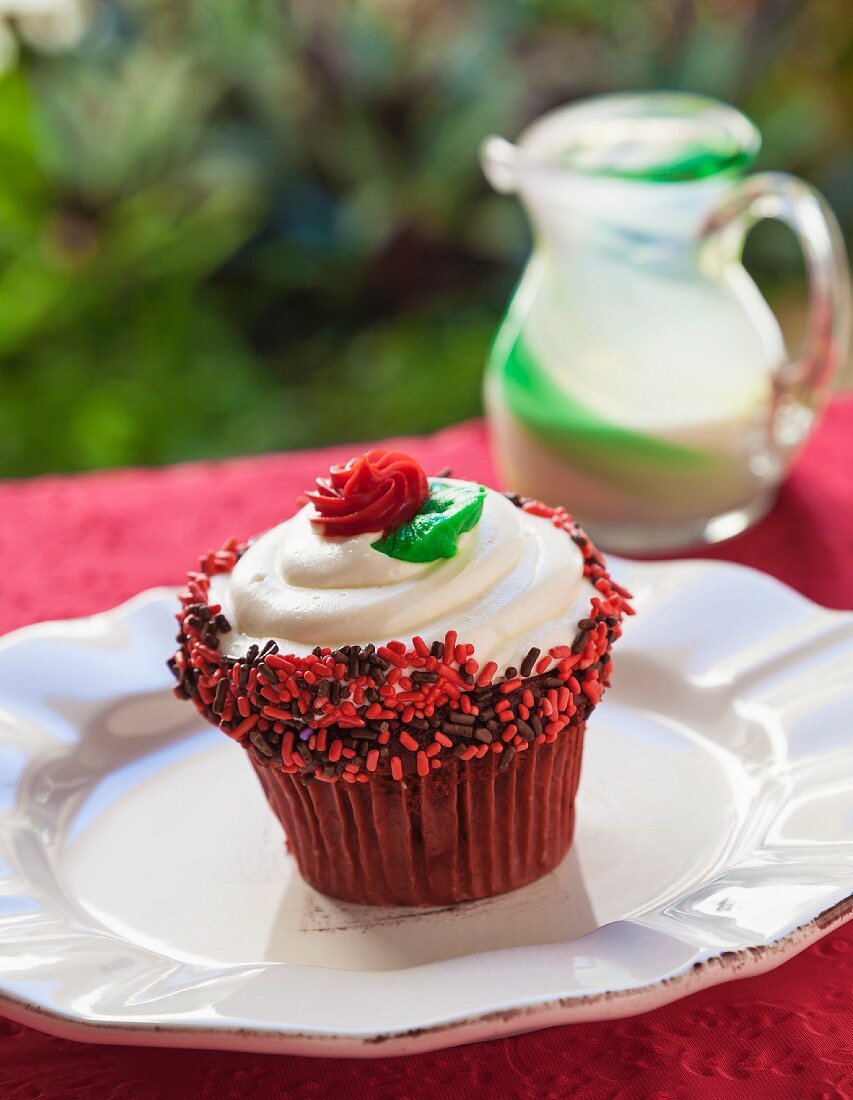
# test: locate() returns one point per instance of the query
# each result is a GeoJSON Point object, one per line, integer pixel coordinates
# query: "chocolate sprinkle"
{"type": "Point", "coordinates": [452, 728]}
{"type": "Point", "coordinates": [424, 677]}
{"type": "Point", "coordinates": [219, 699]}
{"type": "Point", "coordinates": [506, 758]}
{"type": "Point", "coordinates": [261, 744]}
{"type": "Point", "coordinates": [529, 661]}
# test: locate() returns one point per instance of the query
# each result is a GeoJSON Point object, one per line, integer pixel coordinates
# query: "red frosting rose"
{"type": "Point", "coordinates": [375, 492]}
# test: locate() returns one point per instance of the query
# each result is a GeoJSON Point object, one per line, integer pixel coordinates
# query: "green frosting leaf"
{"type": "Point", "coordinates": [451, 509]}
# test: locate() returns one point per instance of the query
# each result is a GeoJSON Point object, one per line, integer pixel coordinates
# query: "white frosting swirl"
{"type": "Point", "coordinates": [515, 582]}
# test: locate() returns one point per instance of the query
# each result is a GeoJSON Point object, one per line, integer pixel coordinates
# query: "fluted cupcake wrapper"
{"type": "Point", "coordinates": [467, 830]}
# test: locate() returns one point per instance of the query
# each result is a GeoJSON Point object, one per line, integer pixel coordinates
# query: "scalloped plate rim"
{"type": "Point", "coordinates": [520, 1020]}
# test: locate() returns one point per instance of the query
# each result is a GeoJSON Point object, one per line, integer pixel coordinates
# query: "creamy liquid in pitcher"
{"type": "Point", "coordinates": [632, 375]}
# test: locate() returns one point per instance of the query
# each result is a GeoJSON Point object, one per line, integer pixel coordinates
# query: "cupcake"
{"type": "Point", "coordinates": [409, 664]}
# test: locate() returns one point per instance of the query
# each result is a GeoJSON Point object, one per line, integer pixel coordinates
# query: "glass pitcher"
{"type": "Point", "coordinates": [639, 377]}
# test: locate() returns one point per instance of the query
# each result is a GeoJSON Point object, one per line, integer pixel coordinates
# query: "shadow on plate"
{"type": "Point", "coordinates": [314, 929]}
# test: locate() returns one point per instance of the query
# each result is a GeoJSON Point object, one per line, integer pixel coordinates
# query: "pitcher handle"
{"type": "Point", "coordinates": [800, 385]}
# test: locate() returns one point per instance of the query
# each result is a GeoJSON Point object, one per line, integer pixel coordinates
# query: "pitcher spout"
{"type": "Point", "coordinates": [646, 168]}
{"type": "Point", "coordinates": [499, 159]}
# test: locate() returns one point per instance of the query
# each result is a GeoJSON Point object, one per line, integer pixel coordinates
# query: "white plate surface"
{"type": "Point", "coordinates": [145, 895]}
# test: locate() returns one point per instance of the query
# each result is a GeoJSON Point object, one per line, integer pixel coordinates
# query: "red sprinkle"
{"type": "Point", "coordinates": [276, 712]}
{"type": "Point", "coordinates": [486, 675]}
{"type": "Point", "coordinates": [398, 659]}
{"type": "Point", "coordinates": [244, 727]}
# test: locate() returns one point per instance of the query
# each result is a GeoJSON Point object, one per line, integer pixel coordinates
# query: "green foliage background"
{"type": "Point", "coordinates": [231, 226]}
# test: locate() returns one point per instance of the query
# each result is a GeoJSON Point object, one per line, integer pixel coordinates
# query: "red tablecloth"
{"type": "Point", "coordinates": [73, 545]}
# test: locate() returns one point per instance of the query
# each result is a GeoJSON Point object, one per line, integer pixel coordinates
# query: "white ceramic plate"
{"type": "Point", "coordinates": [145, 895]}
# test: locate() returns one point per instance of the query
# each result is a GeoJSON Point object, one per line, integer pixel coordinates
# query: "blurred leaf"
{"type": "Point", "coordinates": [228, 227]}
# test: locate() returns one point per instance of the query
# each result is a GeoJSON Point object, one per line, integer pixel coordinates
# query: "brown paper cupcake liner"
{"type": "Point", "coordinates": [464, 832]}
